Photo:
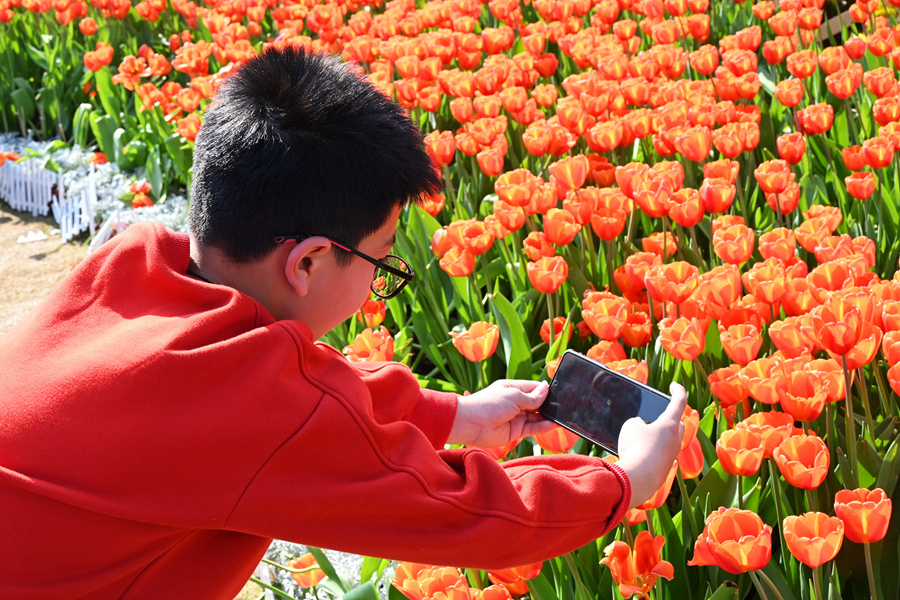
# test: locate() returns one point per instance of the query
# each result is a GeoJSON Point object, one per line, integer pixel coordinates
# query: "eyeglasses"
{"type": "Point", "coordinates": [391, 274]}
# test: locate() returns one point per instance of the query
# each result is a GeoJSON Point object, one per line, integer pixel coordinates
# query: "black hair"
{"type": "Point", "coordinates": [296, 142]}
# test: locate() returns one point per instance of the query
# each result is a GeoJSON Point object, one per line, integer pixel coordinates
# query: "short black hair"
{"type": "Point", "coordinates": [298, 142]}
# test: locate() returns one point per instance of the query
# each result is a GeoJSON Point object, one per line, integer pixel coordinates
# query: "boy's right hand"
{"type": "Point", "coordinates": [647, 450]}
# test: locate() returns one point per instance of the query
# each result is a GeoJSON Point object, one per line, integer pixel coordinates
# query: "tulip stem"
{"type": "Point", "coordinates": [852, 120]}
{"type": "Point", "coordinates": [864, 394]}
{"type": "Point", "coordinates": [817, 582]}
{"type": "Point", "coordinates": [851, 427]}
{"type": "Point", "coordinates": [610, 281]}
{"type": "Point", "coordinates": [740, 492]}
{"type": "Point", "coordinates": [758, 585]}
{"type": "Point", "coordinates": [873, 594]}
{"type": "Point", "coordinates": [687, 504]}
{"type": "Point", "coordinates": [810, 501]}
{"type": "Point", "coordinates": [550, 312]}
{"type": "Point", "coordinates": [650, 526]}
{"type": "Point", "coordinates": [883, 393]}
{"type": "Point", "coordinates": [778, 513]}
{"type": "Point", "coordinates": [771, 585]}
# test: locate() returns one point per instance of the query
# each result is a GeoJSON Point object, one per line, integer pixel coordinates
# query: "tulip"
{"type": "Point", "coordinates": [536, 246]}
{"type": "Point", "coordinates": [458, 262]}
{"type": "Point", "coordinates": [787, 334]}
{"type": "Point", "coordinates": [865, 514]}
{"type": "Point", "coordinates": [803, 461]}
{"type": "Point", "coordinates": [740, 452]}
{"type": "Point", "coordinates": [571, 171]}
{"type": "Point", "coordinates": [636, 572]}
{"type": "Point", "coordinates": [762, 378]}
{"type": "Point", "coordinates": [659, 243]}
{"type": "Point", "coordinates": [478, 342]}
{"type": "Point", "coordinates": [557, 439]}
{"type": "Point", "coordinates": [558, 324]}
{"type": "Point", "coordinates": [605, 316]}
{"type": "Point", "coordinates": [734, 244]}
{"type": "Point", "coordinates": [560, 226]}
{"type": "Point", "coordinates": [547, 274]}
{"type": "Point", "coordinates": [682, 338]}
{"type": "Point", "coordinates": [717, 195]}
{"type": "Point", "coordinates": [673, 282]}
{"type": "Point", "coordinates": [606, 351]}
{"type": "Point", "coordinates": [372, 313]}
{"type": "Point", "coordinates": [860, 185]}
{"type": "Point", "coordinates": [371, 345]}
{"type": "Point", "coordinates": [837, 325]}
{"type": "Point", "coordinates": [630, 367]}
{"type": "Point", "coordinates": [804, 395]}
{"type": "Point", "coordinates": [813, 538]}
{"type": "Point", "coordinates": [727, 385]}
{"type": "Point", "coordinates": [514, 579]}
{"type": "Point", "coordinates": [636, 332]}
{"type": "Point", "coordinates": [817, 118]}
{"type": "Point", "coordinates": [735, 540]}
{"type": "Point", "coordinates": [774, 427]}
{"type": "Point", "coordinates": [307, 579]}
{"type": "Point", "coordinates": [741, 342]}
{"type": "Point", "coordinates": [691, 461]}
{"type": "Point", "coordinates": [515, 187]}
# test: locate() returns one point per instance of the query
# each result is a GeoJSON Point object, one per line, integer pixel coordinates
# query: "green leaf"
{"type": "Point", "coordinates": [23, 102]}
{"type": "Point", "coordinates": [108, 97]}
{"type": "Point", "coordinates": [180, 153]}
{"type": "Point", "coordinates": [328, 568]}
{"type": "Point", "coordinates": [890, 469]}
{"type": "Point", "coordinates": [104, 128]}
{"type": "Point", "coordinates": [727, 591]}
{"type": "Point", "coordinates": [365, 591]}
{"type": "Point", "coordinates": [153, 173]}
{"type": "Point", "coordinates": [541, 589]}
{"type": "Point", "coordinates": [512, 333]}
{"type": "Point", "coordinates": [132, 155]}
{"type": "Point", "coordinates": [717, 488]}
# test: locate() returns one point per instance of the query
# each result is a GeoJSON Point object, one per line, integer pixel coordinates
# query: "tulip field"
{"type": "Point", "coordinates": [700, 191]}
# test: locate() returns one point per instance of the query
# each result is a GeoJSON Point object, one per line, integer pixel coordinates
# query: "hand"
{"type": "Point", "coordinates": [647, 450]}
{"type": "Point", "coordinates": [503, 412]}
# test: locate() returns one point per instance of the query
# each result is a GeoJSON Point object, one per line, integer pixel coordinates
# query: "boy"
{"type": "Point", "coordinates": [167, 412]}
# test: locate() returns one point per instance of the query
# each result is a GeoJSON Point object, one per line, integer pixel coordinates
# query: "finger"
{"type": "Point", "coordinates": [537, 427]}
{"type": "Point", "coordinates": [523, 385]}
{"type": "Point", "coordinates": [675, 409]}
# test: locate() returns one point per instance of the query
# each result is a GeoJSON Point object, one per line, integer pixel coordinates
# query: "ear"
{"type": "Point", "coordinates": [304, 260]}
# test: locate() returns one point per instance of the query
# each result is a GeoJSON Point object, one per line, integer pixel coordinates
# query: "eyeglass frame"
{"type": "Point", "coordinates": [405, 276]}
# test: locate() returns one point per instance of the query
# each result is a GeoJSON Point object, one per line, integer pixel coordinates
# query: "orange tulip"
{"type": "Point", "coordinates": [773, 176]}
{"type": "Point", "coordinates": [547, 274]}
{"type": "Point", "coordinates": [659, 243]}
{"type": "Point", "coordinates": [740, 451]}
{"type": "Point", "coordinates": [865, 348]}
{"type": "Point", "coordinates": [605, 314]}
{"type": "Point", "coordinates": [559, 324]}
{"type": "Point", "coordinates": [478, 342]}
{"type": "Point", "coordinates": [691, 461]}
{"type": "Point", "coordinates": [636, 572]}
{"type": "Point", "coordinates": [636, 332]}
{"type": "Point", "coordinates": [763, 377]}
{"type": "Point", "coordinates": [735, 540]}
{"type": "Point", "coordinates": [831, 373]}
{"type": "Point", "coordinates": [306, 579]}
{"type": "Point", "coordinates": [606, 351]}
{"type": "Point", "coordinates": [560, 226]}
{"type": "Point", "coordinates": [727, 385]}
{"type": "Point", "coordinates": [804, 395]}
{"type": "Point", "coordinates": [813, 538]}
{"type": "Point", "coordinates": [516, 187]}
{"type": "Point", "coordinates": [421, 582]}
{"type": "Point", "coordinates": [717, 195]}
{"type": "Point", "coordinates": [572, 171]}
{"type": "Point", "coordinates": [537, 246]}
{"type": "Point", "coordinates": [838, 325]}
{"type": "Point", "coordinates": [682, 338]}
{"type": "Point", "coordinates": [371, 346]}
{"type": "Point", "coordinates": [803, 461]}
{"type": "Point", "coordinates": [458, 262]}
{"type": "Point", "coordinates": [741, 342]}
{"type": "Point", "coordinates": [774, 427]}
{"type": "Point", "coordinates": [787, 335]}
{"type": "Point", "coordinates": [514, 579]}
{"type": "Point", "coordinates": [372, 313]}
{"type": "Point", "coordinates": [672, 282]}
{"type": "Point", "coordinates": [557, 439]}
{"type": "Point", "coordinates": [865, 514]}
{"type": "Point", "coordinates": [734, 244]}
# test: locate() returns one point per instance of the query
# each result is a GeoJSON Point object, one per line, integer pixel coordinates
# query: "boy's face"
{"type": "Point", "coordinates": [342, 289]}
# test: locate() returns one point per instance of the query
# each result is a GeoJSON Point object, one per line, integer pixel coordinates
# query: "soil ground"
{"type": "Point", "coordinates": [28, 272]}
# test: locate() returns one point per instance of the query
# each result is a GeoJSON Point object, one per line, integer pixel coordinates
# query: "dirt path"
{"type": "Point", "coordinates": [29, 271]}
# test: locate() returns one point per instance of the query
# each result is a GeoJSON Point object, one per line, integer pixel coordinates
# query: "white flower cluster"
{"type": "Point", "coordinates": [111, 183]}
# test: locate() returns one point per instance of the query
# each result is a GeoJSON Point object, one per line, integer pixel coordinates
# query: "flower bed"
{"type": "Point", "coordinates": [683, 190]}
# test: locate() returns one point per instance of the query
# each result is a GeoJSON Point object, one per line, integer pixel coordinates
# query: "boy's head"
{"type": "Point", "coordinates": [296, 143]}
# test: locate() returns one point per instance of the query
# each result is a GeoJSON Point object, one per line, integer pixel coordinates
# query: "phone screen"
{"type": "Point", "coordinates": [594, 401]}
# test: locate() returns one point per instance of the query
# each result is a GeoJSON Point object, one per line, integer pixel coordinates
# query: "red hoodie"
{"type": "Point", "coordinates": [156, 432]}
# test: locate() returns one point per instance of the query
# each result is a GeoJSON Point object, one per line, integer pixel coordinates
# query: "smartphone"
{"type": "Point", "coordinates": [593, 401]}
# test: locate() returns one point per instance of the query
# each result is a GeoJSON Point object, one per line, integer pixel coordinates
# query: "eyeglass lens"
{"type": "Point", "coordinates": [385, 283]}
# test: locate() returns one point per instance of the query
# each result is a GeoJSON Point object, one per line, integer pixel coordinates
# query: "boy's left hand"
{"type": "Point", "coordinates": [501, 413]}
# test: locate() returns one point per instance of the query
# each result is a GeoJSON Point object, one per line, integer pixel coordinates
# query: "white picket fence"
{"type": "Point", "coordinates": [28, 187]}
